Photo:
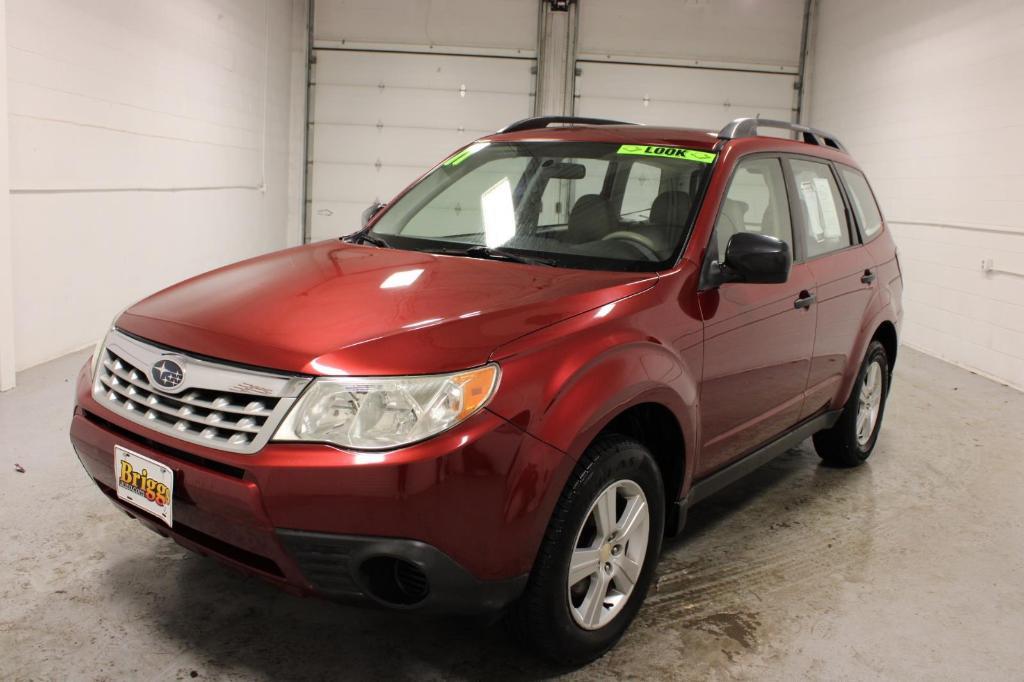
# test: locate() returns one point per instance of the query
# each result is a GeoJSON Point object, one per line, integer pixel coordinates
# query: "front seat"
{"type": "Point", "coordinates": [590, 219]}
{"type": "Point", "coordinates": [671, 209]}
{"type": "Point", "coordinates": [664, 227]}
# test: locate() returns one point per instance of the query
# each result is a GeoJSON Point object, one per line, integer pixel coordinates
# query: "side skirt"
{"type": "Point", "coordinates": [710, 485]}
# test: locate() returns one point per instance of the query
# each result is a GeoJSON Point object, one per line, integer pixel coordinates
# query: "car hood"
{"type": "Point", "coordinates": [340, 309]}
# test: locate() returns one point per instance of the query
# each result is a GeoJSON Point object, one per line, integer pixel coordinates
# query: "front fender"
{"type": "Point", "coordinates": [564, 383]}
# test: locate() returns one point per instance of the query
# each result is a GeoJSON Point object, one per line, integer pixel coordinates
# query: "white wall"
{"type": "Point", "coordinates": [6, 257]}
{"type": "Point", "coordinates": [149, 142]}
{"type": "Point", "coordinates": [928, 95]}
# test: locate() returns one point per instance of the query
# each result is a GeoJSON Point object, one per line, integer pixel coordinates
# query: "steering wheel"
{"type": "Point", "coordinates": [642, 243]}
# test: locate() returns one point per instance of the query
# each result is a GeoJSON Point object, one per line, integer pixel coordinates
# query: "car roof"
{"type": "Point", "coordinates": [694, 138]}
{"type": "Point", "coordinates": [625, 134]}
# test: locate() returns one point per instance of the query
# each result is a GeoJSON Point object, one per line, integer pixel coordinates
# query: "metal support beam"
{"type": "Point", "coordinates": [805, 46]}
{"type": "Point", "coordinates": [307, 130]}
{"type": "Point", "coordinates": [557, 31]}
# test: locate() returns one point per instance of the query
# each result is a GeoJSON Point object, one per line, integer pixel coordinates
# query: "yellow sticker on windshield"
{"type": "Point", "coordinates": [461, 156]}
{"type": "Point", "coordinates": [669, 152]}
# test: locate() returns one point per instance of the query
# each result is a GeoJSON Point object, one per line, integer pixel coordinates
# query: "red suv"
{"type": "Point", "coordinates": [510, 385]}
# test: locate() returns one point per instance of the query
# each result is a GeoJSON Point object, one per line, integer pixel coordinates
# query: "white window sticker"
{"type": "Point", "coordinates": [829, 212]}
{"type": "Point", "coordinates": [810, 198]}
{"type": "Point", "coordinates": [822, 212]}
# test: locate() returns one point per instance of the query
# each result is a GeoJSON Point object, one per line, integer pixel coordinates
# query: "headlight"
{"type": "Point", "coordinates": [386, 412]}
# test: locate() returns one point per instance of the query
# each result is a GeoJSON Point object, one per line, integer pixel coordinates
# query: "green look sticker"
{"type": "Point", "coordinates": [670, 152]}
{"type": "Point", "coordinates": [464, 154]}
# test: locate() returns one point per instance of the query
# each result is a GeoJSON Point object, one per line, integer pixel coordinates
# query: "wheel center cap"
{"type": "Point", "coordinates": [606, 552]}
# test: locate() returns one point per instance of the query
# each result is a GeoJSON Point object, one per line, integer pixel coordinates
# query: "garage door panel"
{"type": "Point", "coordinates": [428, 71]}
{"type": "Point", "coordinates": [335, 218]}
{"type": "Point", "coordinates": [688, 97]}
{"type": "Point", "coordinates": [362, 183]}
{"type": "Point", "coordinates": [380, 120]}
{"type": "Point", "coordinates": [417, 108]}
{"type": "Point", "coordinates": [685, 83]}
{"type": "Point", "coordinates": [365, 144]}
{"type": "Point", "coordinates": [737, 31]}
{"type": "Point", "coordinates": [681, 114]}
{"type": "Point", "coordinates": [508, 24]}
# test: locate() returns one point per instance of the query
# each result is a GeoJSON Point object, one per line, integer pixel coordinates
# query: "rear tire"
{"type": "Point", "coordinates": [606, 529]}
{"type": "Point", "coordinates": [852, 438]}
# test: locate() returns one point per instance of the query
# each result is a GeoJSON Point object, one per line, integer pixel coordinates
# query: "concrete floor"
{"type": "Point", "coordinates": [909, 568]}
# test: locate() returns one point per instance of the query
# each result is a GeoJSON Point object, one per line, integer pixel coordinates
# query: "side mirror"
{"type": "Point", "coordinates": [755, 259]}
{"type": "Point", "coordinates": [371, 211]}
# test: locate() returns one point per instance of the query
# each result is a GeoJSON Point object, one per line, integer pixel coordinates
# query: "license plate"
{"type": "Point", "coordinates": [144, 483]}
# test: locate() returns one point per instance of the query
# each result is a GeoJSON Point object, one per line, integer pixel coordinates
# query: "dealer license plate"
{"type": "Point", "coordinates": [144, 483]}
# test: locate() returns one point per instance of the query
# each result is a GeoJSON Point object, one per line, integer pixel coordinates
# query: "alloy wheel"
{"type": "Point", "coordinates": [870, 404]}
{"type": "Point", "coordinates": [608, 555]}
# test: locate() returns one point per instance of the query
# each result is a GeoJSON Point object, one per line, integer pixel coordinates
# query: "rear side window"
{"type": "Point", "coordinates": [825, 226]}
{"type": "Point", "coordinates": [755, 202]}
{"type": "Point", "coordinates": [864, 206]}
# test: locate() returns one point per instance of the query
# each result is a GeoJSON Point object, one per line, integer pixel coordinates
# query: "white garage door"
{"type": "Point", "coordinates": [681, 96]}
{"type": "Point", "coordinates": [698, 64]}
{"type": "Point", "coordinates": [380, 119]}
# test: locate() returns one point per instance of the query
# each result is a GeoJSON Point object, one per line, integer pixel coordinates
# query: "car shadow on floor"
{"type": "Point", "coordinates": [233, 626]}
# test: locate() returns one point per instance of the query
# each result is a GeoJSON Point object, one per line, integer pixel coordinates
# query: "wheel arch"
{"type": "Point", "coordinates": [655, 426]}
{"type": "Point", "coordinates": [881, 328]}
{"type": "Point", "coordinates": [885, 333]}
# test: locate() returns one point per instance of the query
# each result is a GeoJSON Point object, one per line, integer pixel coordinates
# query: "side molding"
{"type": "Point", "coordinates": [710, 485]}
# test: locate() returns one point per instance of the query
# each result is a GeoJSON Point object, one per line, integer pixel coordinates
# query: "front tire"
{"type": "Point", "coordinates": [598, 555]}
{"type": "Point", "coordinates": [852, 438]}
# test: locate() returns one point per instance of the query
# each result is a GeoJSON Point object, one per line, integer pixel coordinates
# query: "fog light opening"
{"type": "Point", "coordinates": [394, 581]}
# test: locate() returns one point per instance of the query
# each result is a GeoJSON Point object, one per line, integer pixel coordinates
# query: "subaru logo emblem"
{"type": "Point", "coordinates": [168, 374]}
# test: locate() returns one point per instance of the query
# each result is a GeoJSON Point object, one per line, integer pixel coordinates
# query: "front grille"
{"type": "Point", "coordinates": [218, 405]}
{"type": "Point", "coordinates": [177, 453]}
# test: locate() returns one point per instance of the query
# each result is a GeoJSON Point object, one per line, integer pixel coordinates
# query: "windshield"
{"type": "Point", "coordinates": [570, 204]}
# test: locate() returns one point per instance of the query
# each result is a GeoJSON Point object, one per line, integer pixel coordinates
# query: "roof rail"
{"type": "Point", "coordinates": [747, 127]}
{"type": "Point", "coordinates": [544, 121]}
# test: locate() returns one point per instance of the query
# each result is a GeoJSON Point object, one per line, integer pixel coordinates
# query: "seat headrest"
{"type": "Point", "coordinates": [590, 219]}
{"type": "Point", "coordinates": [671, 208]}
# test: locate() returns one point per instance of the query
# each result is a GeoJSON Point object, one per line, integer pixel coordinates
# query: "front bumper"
{"type": "Point", "coordinates": [463, 512]}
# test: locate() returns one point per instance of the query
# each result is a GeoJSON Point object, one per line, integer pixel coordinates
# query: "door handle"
{"type": "Point", "coordinates": [804, 301]}
{"type": "Point", "coordinates": [868, 277]}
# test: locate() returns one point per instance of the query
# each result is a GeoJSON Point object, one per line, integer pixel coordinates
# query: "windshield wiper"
{"type": "Point", "coordinates": [500, 254]}
{"type": "Point", "coordinates": [366, 238]}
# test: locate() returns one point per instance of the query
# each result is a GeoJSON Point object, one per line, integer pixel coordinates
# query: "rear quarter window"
{"type": "Point", "coordinates": [825, 224]}
{"type": "Point", "coordinates": [864, 206]}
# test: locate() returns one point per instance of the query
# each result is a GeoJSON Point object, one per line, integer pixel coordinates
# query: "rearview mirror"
{"type": "Point", "coordinates": [564, 171]}
{"type": "Point", "coordinates": [371, 211]}
{"type": "Point", "coordinates": [755, 259]}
